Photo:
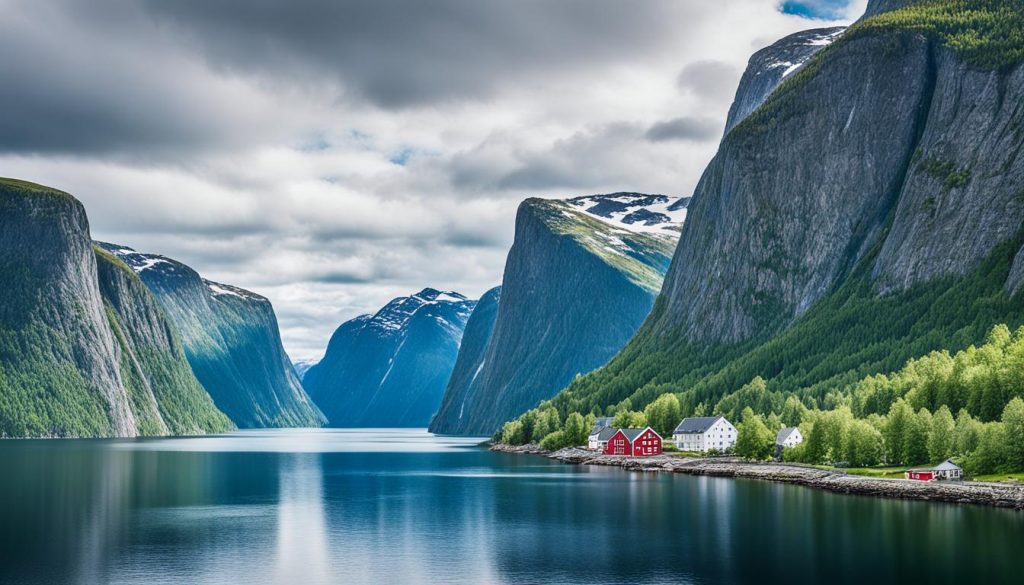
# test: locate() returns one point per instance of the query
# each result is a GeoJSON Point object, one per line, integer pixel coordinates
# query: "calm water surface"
{"type": "Point", "coordinates": [401, 506]}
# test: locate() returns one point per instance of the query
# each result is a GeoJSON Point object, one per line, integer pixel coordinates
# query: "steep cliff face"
{"type": "Point", "coordinates": [577, 285]}
{"type": "Point", "coordinates": [469, 362]}
{"type": "Point", "coordinates": [390, 369]}
{"type": "Point", "coordinates": [889, 138]}
{"type": "Point", "coordinates": [768, 67]}
{"type": "Point", "coordinates": [232, 342]}
{"type": "Point", "coordinates": [165, 395]}
{"type": "Point", "coordinates": [799, 191]}
{"type": "Point", "coordinates": [869, 211]}
{"type": "Point", "coordinates": [84, 351]}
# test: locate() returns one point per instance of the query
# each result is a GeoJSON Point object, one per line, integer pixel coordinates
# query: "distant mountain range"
{"type": "Point", "coordinates": [390, 368]}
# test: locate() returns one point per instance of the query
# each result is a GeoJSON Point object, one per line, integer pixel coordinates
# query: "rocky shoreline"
{"type": "Point", "coordinates": [978, 493]}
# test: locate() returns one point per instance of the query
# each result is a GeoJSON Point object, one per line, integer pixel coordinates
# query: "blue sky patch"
{"type": "Point", "coordinates": [816, 9]}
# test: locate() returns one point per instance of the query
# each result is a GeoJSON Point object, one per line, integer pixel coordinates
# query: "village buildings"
{"type": "Point", "coordinates": [703, 434]}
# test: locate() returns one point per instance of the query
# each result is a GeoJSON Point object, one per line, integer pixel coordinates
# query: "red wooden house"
{"type": "Point", "coordinates": [920, 474]}
{"type": "Point", "coordinates": [634, 442]}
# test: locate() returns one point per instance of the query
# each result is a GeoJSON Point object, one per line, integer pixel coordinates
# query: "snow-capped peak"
{"type": "Point", "coordinates": [635, 212]}
{"type": "Point", "coordinates": [813, 40]}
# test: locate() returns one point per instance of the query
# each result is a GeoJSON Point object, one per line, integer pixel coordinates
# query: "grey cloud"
{"type": "Point", "coordinates": [697, 129]}
{"type": "Point", "coordinates": [78, 78]}
{"type": "Point", "coordinates": [400, 53]}
{"type": "Point", "coordinates": [711, 80]}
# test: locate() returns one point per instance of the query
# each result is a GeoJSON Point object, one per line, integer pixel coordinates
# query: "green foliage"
{"type": "Point", "coordinates": [630, 419]}
{"type": "Point", "coordinates": [862, 444]}
{"type": "Point", "coordinates": [1013, 426]}
{"type": "Point", "coordinates": [990, 455]}
{"type": "Point", "coordinates": [941, 435]}
{"type": "Point", "coordinates": [26, 188]}
{"type": "Point", "coordinates": [988, 34]}
{"type": "Point", "coordinates": [555, 441]}
{"type": "Point", "coordinates": [945, 172]}
{"type": "Point", "coordinates": [513, 433]}
{"type": "Point", "coordinates": [576, 429]}
{"type": "Point", "coordinates": [835, 353]}
{"type": "Point", "coordinates": [754, 440]}
{"type": "Point", "coordinates": [664, 414]}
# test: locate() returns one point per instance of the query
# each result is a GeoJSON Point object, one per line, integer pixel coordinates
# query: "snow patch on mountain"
{"type": "Point", "coordinates": [634, 212]}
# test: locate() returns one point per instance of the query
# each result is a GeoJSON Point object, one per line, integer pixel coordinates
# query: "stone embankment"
{"type": "Point", "coordinates": [980, 493]}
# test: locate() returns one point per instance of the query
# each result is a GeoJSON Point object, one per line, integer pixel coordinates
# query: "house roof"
{"type": "Point", "coordinates": [697, 424]}
{"type": "Point", "coordinates": [606, 433]}
{"type": "Point", "coordinates": [632, 434]}
{"type": "Point", "coordinates": [601, 424]}
{"type": "Point", "coordinates": [784, 434]}
{"type": "Point", "coordinates": [946, 465]}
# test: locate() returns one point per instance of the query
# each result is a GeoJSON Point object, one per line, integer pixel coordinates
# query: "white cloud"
{"type": "Point", "coordinates": [331, 201]}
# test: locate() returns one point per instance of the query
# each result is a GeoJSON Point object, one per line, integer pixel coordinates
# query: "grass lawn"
{"type": "Point", "coordinates": [1000, 477]}
{"type": "Point", "coordinates": [883, 472]}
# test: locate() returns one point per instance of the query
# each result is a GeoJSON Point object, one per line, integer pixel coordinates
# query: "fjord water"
{"type": "Point", "coordinates": [402, 506]}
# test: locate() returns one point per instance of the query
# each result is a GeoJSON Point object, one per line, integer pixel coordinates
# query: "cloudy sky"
{"type": "Point", "coordinates": [332, 155]}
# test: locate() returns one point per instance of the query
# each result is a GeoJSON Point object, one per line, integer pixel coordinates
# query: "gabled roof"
{"type": "Point", "coordinates": [606, 433]}
{"type": "Point", "coordinates": [784, 434]}
{"type": "Point", "coordinates": [601, 424]}
{"type": "Point", "coordinates": [630, 434]}
{"type": "Point", "coordinates": [697, 424]}
{"type": "Point", "coordinates": [946, 465]}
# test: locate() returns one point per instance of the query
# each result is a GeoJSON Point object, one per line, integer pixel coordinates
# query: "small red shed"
{"type": "Point", "coordinates": [920, 474]}
{"type": "Point", "coordinates": [634, 442]}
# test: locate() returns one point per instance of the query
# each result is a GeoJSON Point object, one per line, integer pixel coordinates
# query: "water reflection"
{"type": "Point", "coordinates": [401, 507]}
{"type": "Point", "coordinates": [302, 548]}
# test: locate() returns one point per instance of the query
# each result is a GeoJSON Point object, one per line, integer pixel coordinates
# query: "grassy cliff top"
{"type": "Point", "coordinates": [28, 188]}
{"type": "Point", "coordinates": [642, 257]}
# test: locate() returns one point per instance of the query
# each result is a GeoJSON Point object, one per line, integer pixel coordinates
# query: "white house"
{"type": "Point", "coordinates": [789, 437]}
{"type": "Point", "coordinates": [598, 439]}
{"type": "Point", "coordinates": [948, 470]}
{"type": "Point", "coordinates": [703, 434]}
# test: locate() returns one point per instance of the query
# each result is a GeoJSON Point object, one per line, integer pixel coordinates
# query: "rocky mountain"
{"type": "Point", "coordinates": [302, 366]}
{"type": "Point", "coordinates": [390, 369]}
{"type": "Point", "coordinates": [770, 66]}
{"type": "Point", "coordinates": [470, 360]}
{"type": "Point", "coordinates": [232, 342]}
{"type": "Point", "coordinates": [869, 211]}
{"type": "Point", "coordinates": [580, 278]}
{"type": "Point", "coordinates": [85, 350]}
{"type": "Point", "coordinates": [808, 186]}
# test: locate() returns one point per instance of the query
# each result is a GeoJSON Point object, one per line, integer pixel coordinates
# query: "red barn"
{"type": "Point", "coordinates": [920, 474]}
{"type": "Point", "coordinates": [634, 442]}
